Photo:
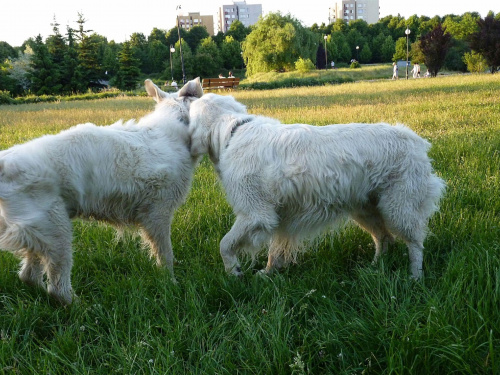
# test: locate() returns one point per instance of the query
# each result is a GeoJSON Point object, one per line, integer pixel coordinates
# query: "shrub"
{"type": "Point", "coordinates": [304, 65]}
{"type": "Point", "coordinates": [355, 65]}
{"type": "Point", "coordinates": [5, 97]}
{"type": "Point", "coordinates": [475, 62]}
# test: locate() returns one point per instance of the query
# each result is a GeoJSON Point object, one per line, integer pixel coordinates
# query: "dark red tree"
{"type": "Point", "coordinates": [486, 41]}
{"type": "Point", "coordinates": [434, 46]}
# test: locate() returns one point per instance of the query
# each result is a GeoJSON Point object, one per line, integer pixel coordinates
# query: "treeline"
{"type": "Point", "coordinates": [82, 60]}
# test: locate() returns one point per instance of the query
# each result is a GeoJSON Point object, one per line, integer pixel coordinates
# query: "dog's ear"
{"type": "Point", "coordinates": [192, 89]}
{"type": "Point", "coordinates": [154, 91]}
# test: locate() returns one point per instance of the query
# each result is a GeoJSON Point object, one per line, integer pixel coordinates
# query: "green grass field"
{"type": "Point", "coordinates": [332, 313]}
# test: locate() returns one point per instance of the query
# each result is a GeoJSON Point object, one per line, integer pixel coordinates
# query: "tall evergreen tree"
{"type": "Point", "coordinates": [89, 68]}
{"type": "Point", "coordinates": [42, 77]}
{"type": "Point", "coordinates": [70, 74]}
{"type": "Point", "coordinates": [128, 68]}
{"type": "Point", "coordinates": [57, 48]}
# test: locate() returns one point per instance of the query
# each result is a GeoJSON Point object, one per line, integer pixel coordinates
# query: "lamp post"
{"type": "Point", "coordinates": [180, 46]}
{"type": "Point", "coordinates": [172, 50]}
{"type": "Point", "coordinates": [407, 32]}
{"type": "Point", "coordinates": [326, 53]}
{"type": "Point", "coordinates": [357, 53]}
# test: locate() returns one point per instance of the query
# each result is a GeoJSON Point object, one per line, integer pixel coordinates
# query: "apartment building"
{"type": "Point", "coordinates": [348, 10]}
{"type": "Point", "coordinates": [195, 19]}
{"type": "Point", "coordinates": [247, 14]}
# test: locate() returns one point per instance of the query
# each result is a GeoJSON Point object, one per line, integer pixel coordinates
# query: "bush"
{"type": "Point", "coordinates": [304, 65]}
{"type": "Point", "coordinates": [475, 62]}
{"type": "Point", "coordinates": [5, 97]}
{"type": "Point", "coordinates": [355, 65]}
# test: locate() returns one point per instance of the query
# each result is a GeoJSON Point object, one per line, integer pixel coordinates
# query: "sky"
{"type": "Point", "coordinates": [117, 20]}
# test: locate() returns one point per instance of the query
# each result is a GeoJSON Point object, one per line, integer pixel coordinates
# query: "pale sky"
{"type": "Point", "coordinates": [117, 20]}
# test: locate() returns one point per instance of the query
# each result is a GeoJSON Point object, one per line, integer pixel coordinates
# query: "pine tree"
{"type": "Point", "coordinates": [57, 48]}
{"type": "Point", "coordinates": [128, 69]}
{"type": "Point", "coordinates": [88, 49]}
{"type": "Point", "coordinates": [43, 75]}
{"type": "Point", "coordinates": [70, 75]}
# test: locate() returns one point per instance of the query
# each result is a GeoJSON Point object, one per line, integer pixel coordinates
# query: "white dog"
{"type": "Point", "coordinates": [287, 182]}
{"type": "Point", "coordinates": [133, 173]}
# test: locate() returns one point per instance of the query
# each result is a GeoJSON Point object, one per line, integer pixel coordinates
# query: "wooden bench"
{"type": "Point", "coordinates": [220, 83]}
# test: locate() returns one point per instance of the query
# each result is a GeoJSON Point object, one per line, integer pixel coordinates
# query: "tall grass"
{"type": "Point", "coordinates": [332, 313]}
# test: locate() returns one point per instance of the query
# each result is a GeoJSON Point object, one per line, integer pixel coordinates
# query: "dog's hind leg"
{"type": "Point", "coordinates": [56, 252]}
{"type": "Point", "coordinates": [282, 250]}
{"type": "Point", "coordinates": [370, 219]}
{"type": "Point", "coordinates": [31, 271]}
{"type": "Point", "coordinates": [155, 232]}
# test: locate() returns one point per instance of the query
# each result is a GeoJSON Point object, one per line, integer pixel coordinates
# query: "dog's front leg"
{"type": "Point", "coordinates": [229, 245]}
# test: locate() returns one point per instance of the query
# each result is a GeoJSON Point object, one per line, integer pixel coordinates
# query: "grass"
{"type": "Point", "coordinates": [332, 313]}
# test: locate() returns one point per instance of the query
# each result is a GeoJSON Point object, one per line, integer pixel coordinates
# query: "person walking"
{"type": "Point", "coordinates": [394, 70]}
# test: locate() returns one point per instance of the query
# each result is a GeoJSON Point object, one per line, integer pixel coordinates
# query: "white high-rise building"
{"type": "Point", "coordinates": [247, 14]}
{"type": "Point", "coordinates": [349, 10]}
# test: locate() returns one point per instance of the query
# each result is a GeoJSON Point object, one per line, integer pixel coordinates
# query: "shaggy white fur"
{"type": "Point", "coordinates": [288, 182]}
{"type": "Point", "coordinates": [126, 173]}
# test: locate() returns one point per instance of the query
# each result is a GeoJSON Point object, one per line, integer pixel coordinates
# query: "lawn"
{"type": "Point", "coordinates": [332, 312]}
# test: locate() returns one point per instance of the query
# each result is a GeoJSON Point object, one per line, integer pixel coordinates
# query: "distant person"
{"type": "Point", "coordinates": [333, 64]}
{"type": "Point", "coordinates": [230, 75]}
{"type": "Point", "coordinates": [427, 74]}
{"type": "Point", "coordinates": [414, 70]}
{"type": "Point", "coordinates": [394, 70]}
{"type": "Point", "coordinates": [174, 84]}
{"type": "Point", "coordinates": [221, 76]}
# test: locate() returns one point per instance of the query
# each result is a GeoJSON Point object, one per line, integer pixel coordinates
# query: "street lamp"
{"type": "Point", "coordinates": [407, 32]}
{"type": "Point", "coordinates": [357, 53]}
{"type": "Point", "coordinates": [326, 53]}
{"type": "Point", "coordinates": [172, 50]}
{"type": "Point", "coordinates": [180, 46]}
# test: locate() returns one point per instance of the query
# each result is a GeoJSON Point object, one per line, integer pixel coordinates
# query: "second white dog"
{"type": "Point", "coordinates": [132, 173]}
{"type": "Point", "coordinates": [287, 182]}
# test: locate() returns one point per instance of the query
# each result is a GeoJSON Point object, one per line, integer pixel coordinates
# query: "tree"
{"type": "Point", "coordinates": [320, 57]}
{"type": "Point", "coordinates": [276, 43]}
{"type": "Point", "coordinates": [486, 41]}
{"type": "Point", "coordinates": [70, 75]}
{"type": "Point", "coordinates": [208, 60]}
{"type": "Point", "coordinates": [42, 76]}
{"type": "Point", "coordinates": [388, 49]}
{"type": "Point", "coordinates": [56, 45]}
{"type": "Point", "coordinates": [231, 53]}
{"type": "Point", "coordinates": [195, 35]}
{"type": "Point", "coordinates": [434, 46]}
{"type": "Point", "coordinates": [187, 55]}
{"type": "Point", "coordinates": [128, 68]}
{"type": "Point", "coordinates": [158, 55]}
{"type": "Point", "coordinates": [20, 70]}
{"type": "Point", "coordinates": [343, 50]}
{"type": "Point", "coordinates": [7, 51]}
{"type": "Point", "coordinates": [139, 45]}
{"type": "Point", "coordinates": [88, 69]}
{"type": "Point", "coordinates": [365, 55]}
{"type": "Point", "coordinates": [238, 31]}
{"type": "Point", "coordinates": [417, 56]}
{"type": "Point", "coordinates": [400, 53]}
